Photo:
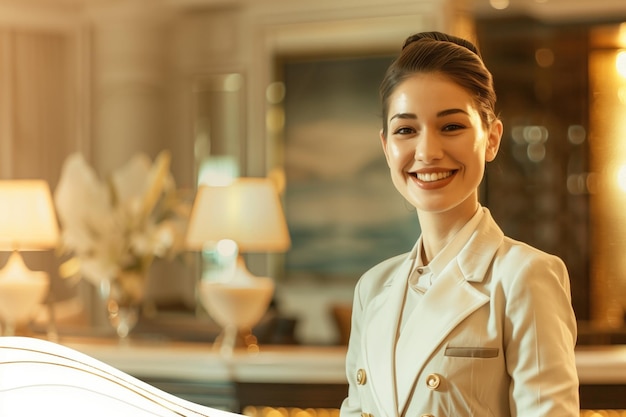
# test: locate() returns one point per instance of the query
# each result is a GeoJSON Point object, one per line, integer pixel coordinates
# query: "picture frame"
{"type": "Point", "coordinates": [343, 212]}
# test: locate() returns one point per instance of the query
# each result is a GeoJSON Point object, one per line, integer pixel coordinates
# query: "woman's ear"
{"type": "Point", "coordinates": [493, 140]}
{"type": "Point", "coordinates": [383, 141]}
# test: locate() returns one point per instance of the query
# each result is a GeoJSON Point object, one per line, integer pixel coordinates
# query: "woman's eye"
{"type": "Point", "coordinates": [452, 127]}
{"type": "Point", "coordinates": [404, 131]}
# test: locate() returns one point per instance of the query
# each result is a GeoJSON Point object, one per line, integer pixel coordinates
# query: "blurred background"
{"type": "Point", "coordinates": [288, 90]}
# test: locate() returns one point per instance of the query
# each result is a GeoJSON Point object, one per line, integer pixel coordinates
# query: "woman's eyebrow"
{"type": "Point", "coordinates": [403, 116]}
{"type": "Point", "coordinates": [441, 113]}
{"type": "Point", "coordinates": [448, 112]}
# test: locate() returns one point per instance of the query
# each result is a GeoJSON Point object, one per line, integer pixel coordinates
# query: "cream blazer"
{"type": "Point", "coordinates": [493, 336]}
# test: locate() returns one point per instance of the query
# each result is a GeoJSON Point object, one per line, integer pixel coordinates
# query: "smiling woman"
{"type": "Point", "coordinates": [467, 307]}
{"type": "Point", "coordinates": [422, 132]}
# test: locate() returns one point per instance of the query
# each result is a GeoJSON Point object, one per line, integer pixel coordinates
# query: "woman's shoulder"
{"type": "Point", "coordinates": [521, 259]}
{"type": "Point", "coordinates": [516, 249]}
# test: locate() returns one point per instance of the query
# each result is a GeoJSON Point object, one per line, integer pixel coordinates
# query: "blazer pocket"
{"type": "Point", "coordinates": [472, 352]}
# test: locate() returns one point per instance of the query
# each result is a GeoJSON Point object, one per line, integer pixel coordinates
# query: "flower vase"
{"type": "Point", "coordinates": [124, 297]}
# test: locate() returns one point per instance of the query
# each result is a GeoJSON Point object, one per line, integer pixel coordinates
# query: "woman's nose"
{"type": "Point", "coordinates": [428, 148]}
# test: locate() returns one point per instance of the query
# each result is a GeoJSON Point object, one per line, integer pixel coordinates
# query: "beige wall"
{"type": "Point", "coordinates": [112, 78]}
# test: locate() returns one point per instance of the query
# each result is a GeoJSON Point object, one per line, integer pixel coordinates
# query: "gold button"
{"type": "Point", "coordinates": [433, 381]}
{"type": "Point", "coordinates": [361, 378]}
{"type": "Point", "coordinates": [427, 415]}
{"type": "Point", "coordinates": [367, 415]}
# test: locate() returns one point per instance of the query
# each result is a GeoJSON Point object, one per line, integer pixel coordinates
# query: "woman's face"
{"type": "Point", "coordinates": [436, 146]}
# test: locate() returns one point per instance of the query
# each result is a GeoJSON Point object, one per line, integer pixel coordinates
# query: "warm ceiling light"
{"type": "Point", "coordinates": [621, 178]}
{"type": "Point", "coordinates": [621, 37]}
{"type": "Point", "coordinates": [499, 4]}
{"type": "Point", "coordinates": [620, 63]}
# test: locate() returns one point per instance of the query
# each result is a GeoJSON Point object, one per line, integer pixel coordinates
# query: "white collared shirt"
{"type": "Point", "coordinates": [422, 276]}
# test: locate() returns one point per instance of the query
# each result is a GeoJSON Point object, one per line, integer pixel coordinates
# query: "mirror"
{"type": "Point", "coordinates": [218, 126]}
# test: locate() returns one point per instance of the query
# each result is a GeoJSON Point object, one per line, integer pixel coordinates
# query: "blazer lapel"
{"type": "Point", "coordinates": [446, 304]}
{"type": "Point", "coordinates": [476, 257]}
{"type": "Point", "coordinates": [450, 299]}
{"type": "Point", "coordinates": [380, 336]}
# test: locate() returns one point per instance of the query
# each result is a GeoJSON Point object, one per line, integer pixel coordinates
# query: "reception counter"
{"type": "Point", "coordinates": [199, 362]}
{"type": "Point", "coordinates": [277, 376]}
{"type": "Point", "coordinates": [300, 376]}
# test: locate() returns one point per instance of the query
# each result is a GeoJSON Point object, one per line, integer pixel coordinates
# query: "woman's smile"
{"type": "Point", "coordinates": [434, 179]}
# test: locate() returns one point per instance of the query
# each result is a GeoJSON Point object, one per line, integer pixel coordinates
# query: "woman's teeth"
{"type": "Point", "coordinates": [433, 176]}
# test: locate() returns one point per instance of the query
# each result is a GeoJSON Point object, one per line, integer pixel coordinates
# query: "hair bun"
{"type": "Point", "coordinates": [441, 37]}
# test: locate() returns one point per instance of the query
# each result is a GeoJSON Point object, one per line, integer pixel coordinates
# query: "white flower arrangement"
{"type": "Point", "coordinates": [120, 225]}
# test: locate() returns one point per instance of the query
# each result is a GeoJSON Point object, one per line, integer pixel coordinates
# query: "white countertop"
{"type": "Point", "coordinates": [199, 362]}
{"type": "Point", "coordinates": [287, 364]}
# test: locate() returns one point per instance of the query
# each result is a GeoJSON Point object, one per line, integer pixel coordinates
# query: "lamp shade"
{"type": "Point", "coordinates": [27, 217]}
{"type": "Point", "coordinates": [247, 211]}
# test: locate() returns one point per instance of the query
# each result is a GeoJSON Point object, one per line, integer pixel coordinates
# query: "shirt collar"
{"type": "Point", "coordinates": [452, 249]}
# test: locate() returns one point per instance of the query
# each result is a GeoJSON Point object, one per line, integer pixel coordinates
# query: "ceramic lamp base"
{"type": "Point", "coordinates": [232, 339]}
{"type": "Point", "coordinates": [21, 292]}
{"type": "Point", "coordinates": [236, 306]}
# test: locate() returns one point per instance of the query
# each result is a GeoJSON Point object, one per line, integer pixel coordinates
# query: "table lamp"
{"type": "Point", "coordinates": [27, 222]}
{"type": "Point", "coordinates": [244, 216]}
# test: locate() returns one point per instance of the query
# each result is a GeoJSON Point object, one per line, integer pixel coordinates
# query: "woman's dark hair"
{"type": "Point", "coordinates": [454, 57]}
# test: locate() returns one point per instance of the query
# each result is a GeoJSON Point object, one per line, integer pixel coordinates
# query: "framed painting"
{"type": "Point", "coordinates": [343, 212]}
